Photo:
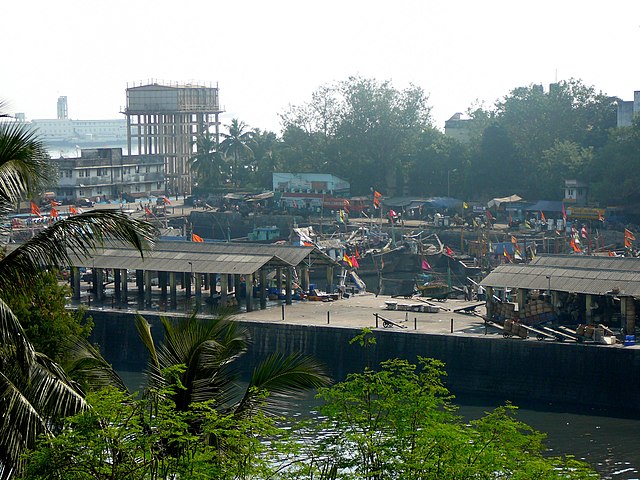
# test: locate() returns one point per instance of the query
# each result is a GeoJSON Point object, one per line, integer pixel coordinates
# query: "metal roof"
{"type": "Point", "coordinates": [571, 273]}
{"type": "Point", "coordinates": [224, 258]}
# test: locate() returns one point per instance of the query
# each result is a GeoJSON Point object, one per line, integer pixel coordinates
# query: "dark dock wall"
{"type": "Point", "coordinates": [507, 369]}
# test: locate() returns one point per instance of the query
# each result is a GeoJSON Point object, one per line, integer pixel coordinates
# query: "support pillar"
{"type": "Point", "coordinates": [521, 298]}
{"type": "Point", "coordinates": [116, 282]}
{"type": "Point", "coordinates": [287, 295]}
{"type": "Point", "coordinates": [263, 289]}
{"type": "Point", "coordinates": [249, 292]}
{"type": "Point", "coordinates": [213, 285]}
{"type": "Point", "coordinates": [236, 286]}
{"type": "Point", "coordinates": [330, 279]}
{"type": "Point", "coordinates": [630, 316]}
{"type": "Point", "coordinates": [147, 287]}
{"type": "Point", "coordinates": [99, 284]}
{"type": "Point", "coordinates": [224, 289]}
{"type": "Point", "coordinates": [207, 281]}
{"type": "Point", "coordinates": [140, 282]}
{"type": "Point", "coordinates": [279, 280]}
{"type": "Point", "coordinates": [305, 279]}
{"type": "Point", "coordinates": [162, 281]}
{"type": "Point", "coordinates": [75, 282]}
{"type": "Point", "coordinates": [124, 284]}
{"type": "Point", "coordinates": [173, 290]}
{"type": "Point", "coordinates": [187, 284]}
{"type": "Point", "coordinates": [490, 303]}
{"type": "Point", "coordinates": [198, 282]}
{"type": "Point", "coordinates": [588, 310]}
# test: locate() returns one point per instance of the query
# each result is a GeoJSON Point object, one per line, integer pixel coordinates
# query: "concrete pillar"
{"type": "Point", "coordinates": [187, 284]}
{"type": "Point", "coordinates": [207, 281]}
{"type": "Point", "coordinates": [279, 279]}
{"type": "Point", "coordinates": [213, 287]}
{"type": "Point", "coordinates": [588, 310]}
{"type": "Point", "coordinates": [305, 279]}
{"type": "Point", "coordinates": [75, 282]}
{"type": "Point", "coordinates": [249, 291]}
{"type": "Point", "coordinates": [521, 298]}
{"type": "Point", "coordinates": [198, 282]}
{"type": "Point", "coordinates": [140, 281]}
{"type": "Point", "coordinates": [224, 289]}
{"type": "Point", "coordinates": [162, 282]}
{"type": "Point", "coordinates": [288, 285]}
{"type": "Point", "coordinates": [116, 282]}
{"type": "Point", "coordinates": [124, 283]}
{"type": "Point", "coordinates": [236, 286]}
{"type": "Point", "coordinates": [147, 287]}
{"type": "Point", "coordinates": [330, 279]}
{"type": "Point", "coordinates": [630, 316]}
{"type": "Point", "coordinates": [263, 289]}
{"type": "Point", "coordinates": [99, 288]}
{"type": "Point", "coordinates": [173, 290]}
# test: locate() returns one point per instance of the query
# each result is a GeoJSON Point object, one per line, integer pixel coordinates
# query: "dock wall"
{"type": "Point", "coordinates": [580, 375]}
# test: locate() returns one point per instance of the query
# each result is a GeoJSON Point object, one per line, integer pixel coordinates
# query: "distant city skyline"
{"type": "Point", "coordinates": [267, 55]}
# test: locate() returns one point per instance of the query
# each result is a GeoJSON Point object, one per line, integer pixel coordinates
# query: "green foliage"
{"type": "Point", "coordinates": [124, 437]}
{"type": "Point", "coordinates": [208, 164]}
{"type": "Point", "coordinates": [43, 315]}
{"type": "Point", "coordinates": [399, 423]}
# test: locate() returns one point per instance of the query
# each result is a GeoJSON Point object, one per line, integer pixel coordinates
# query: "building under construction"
{"type": "Point", "coordinates": [166, 119]}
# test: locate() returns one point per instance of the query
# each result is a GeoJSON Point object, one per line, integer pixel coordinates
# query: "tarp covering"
{"type": "Point", "coordinates": [545, 206]}
{"type": "Point", "coordinates": [496, 202]}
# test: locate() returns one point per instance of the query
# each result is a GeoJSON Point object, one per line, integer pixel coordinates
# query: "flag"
{"type": "Point", "coordinates": [357, 253]}
{"type": "Point", "coordinates": [489, 216]}
{"type": "Point", "coordinates": [584, 232]}
{"type": "Point", "coordinates": [166, 201]}
{"type": "Point", "coordinates": [307, 244]}
{"type": "Point", "coordinates": [53, 213]}
{"type": "Point", "coordinates": [425, 265]}
{"type": "Point", "coordinates": [354, 262]}
{"type": "Point", "coordinates": [341, 216]}
{"type": "Point", "coordinates": [449, 252]}
{"type": "Point", "coordinates": [542, 217]}
{"type": "Point", "coordinates": [612, 254]}
{"type": "Point", "coordinates": [35, 209]}
{"type": "Point", "coordinates": [514, 240]}
{"type": "Point", "coordinates": [574, 245]}
{"type": "Point", "coordinates": [506, 255]}
{"type": "Point", "coordinates": [527, 224]}
{"type": "Point", "coordinates": [346, 259]}
{"type": "Point", "coordinates": [564, 214]}
{"type": "Point", "coordinates": [55, 204]}
{"type": "Point", "coordinates": [346, 204]}
{"type": "Point", "coordinates": [376, 199]}
{"type": "Point", "coordinates": [600, 216]}
{"type": "Point", "coordinates": [465, 205]}
{"type": "Point", "coordinates": [628, 238]}
{"type": "Point", "coordinates": [393, 215]}
{"type": "Point", "coordinates": [147, 211]}
{"type": "Point", "coordinates": [73, 210]}
{"type": "Point", "coordinates": [196, 238]}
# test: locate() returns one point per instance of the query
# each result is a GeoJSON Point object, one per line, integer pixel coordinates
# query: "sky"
{"type": "Point", "coordinates": [267, 55]}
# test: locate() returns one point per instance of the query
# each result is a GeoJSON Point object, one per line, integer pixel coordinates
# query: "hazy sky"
{"type": "Point", "coordinates": [265, 55]}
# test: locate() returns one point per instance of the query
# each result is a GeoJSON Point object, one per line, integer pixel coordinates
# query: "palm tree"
{"type": "Point", "coordinates": [208, 163]}
{"type": "Point", "coordinates": [208, 351]}
{"type": "Point", "coordinates": [34, 391]}
{"type": "Point", "coordinates": [237, 145]}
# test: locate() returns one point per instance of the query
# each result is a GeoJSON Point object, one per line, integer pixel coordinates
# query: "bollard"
{"type": "Point", "coordinates": [283, 311]}
{"type": "Point", "coordinates": [415, 323]}
{"type": "Point", "coordinates": [485, 326]}
{"type": "Point", "coordinates": [452, 325]}
{"type": "Point", "coordinates": [328, 313]}
{"type": "Point", "coordinates": [376, 319]}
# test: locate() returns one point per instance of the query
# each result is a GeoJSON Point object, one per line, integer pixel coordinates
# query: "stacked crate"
{"type": "Point", "coordinates": [536, 312]}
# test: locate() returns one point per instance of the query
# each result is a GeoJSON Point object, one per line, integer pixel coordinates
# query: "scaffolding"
{"type": "Point", "coordinates": [166, 119]}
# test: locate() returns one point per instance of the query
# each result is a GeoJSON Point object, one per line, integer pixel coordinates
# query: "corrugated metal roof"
{"type": "Point", "coordinates": [571, 273]}
{"type": "Point", "coordinates": [224, 258]}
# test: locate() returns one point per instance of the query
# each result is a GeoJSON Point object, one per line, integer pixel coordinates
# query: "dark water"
{"type": "Point", "coordinates": [609, 443]}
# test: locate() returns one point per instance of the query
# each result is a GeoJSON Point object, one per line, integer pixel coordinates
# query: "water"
{"type": "Point", "coordinates": [610, 444]}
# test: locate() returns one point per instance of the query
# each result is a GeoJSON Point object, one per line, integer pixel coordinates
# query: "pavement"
{"type": "Point", "coordinates": [359, 311]}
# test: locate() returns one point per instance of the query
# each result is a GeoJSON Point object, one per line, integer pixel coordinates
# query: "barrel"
{"type": "Point", "coordinates": [629, 340]}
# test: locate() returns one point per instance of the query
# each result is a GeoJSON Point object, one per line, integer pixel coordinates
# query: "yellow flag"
{"type": "Point", "coordinates": [464, 205]}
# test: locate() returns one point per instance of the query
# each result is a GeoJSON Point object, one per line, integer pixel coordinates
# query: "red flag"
{"type": "Point", "coordinates": [54, 213]}
{"type": "Point", "coordinates": [166, 201]}
{"type": "Point", "coordinates": [564, 214]}
{"type": "Point", "coordinates": [354, 262]}
{"type": "Point", "coordinates": [35, 209]}
{"type": "Point", "coordinates": [376, 199]}
{"type": "Point", "coordinates": [357, 253]}
{"type": "Point", "coordinates": [55, 204]}
{"type": "Point", "coordinates": [425, 265]}
{"type": "Point", "coordinates": [489, 216]}
{"type": "Point", "coordinates": [449, 252]}
{"type": "Point", "coordinates": [147, 211]}
{"type": "Point", "coordinates": [542, 217]}
{"type": "Point", "coordinates": [196, 238]}
{"type": "Point", "coordinates": [73, 209]}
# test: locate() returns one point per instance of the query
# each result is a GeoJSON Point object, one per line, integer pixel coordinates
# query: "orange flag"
{"type": "Point", "coordinates": [73, 210]}
{"type": "Point", "coordinates": [196, 238]}
{"type": "Point", "coordinates": [54, 213]}
{"type": "Point", "coordinates": [35, 209]}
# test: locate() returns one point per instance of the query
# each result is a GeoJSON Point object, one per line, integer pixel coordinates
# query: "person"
{"type": "Point", "coordinates": [481, 293]}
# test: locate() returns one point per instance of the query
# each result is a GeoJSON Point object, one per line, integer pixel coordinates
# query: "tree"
{"type": "Point", "coordinates": [266, 157]}
{"type": "Point", "coordinates": [237, 145]}
{"type": "Point", "coordinates": [34, 391]}
{"type": "Point", "coordinates": [208, 163]}
{"type": "Point", "coordinates": [42, 313]}
{"type": "Point", "coordinates": [399, 423]}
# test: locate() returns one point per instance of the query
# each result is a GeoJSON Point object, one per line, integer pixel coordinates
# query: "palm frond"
{"type": "Point", "coordinates": [81, 235]}
{"type": "Point", "coordinates": [85, 364]}
{"type": "Point", "coordinates": [283, 377]}
{"type": "Point", "coordinates": [14, 346]}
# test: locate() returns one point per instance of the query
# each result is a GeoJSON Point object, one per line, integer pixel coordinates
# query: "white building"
{"type": "Point", "coordinates": [322, 183]}
{"type": "Point", "coordinates": [627, 110]}
{"type": "Point", "coordinates": [106, 174]}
